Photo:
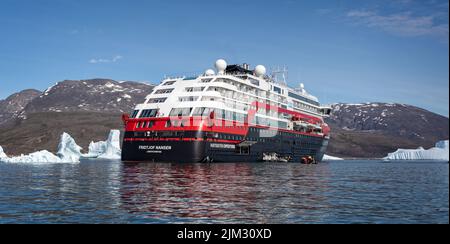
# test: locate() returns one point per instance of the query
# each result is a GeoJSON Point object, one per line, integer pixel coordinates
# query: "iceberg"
{"type": "Point", "coordinates": [439, 152]}
{"type": "Point", "coordinates": [2, 153]}
{"type": "Point", "coordinates": [109, 149]}
{"type": "Point", "coordinates": [112, 150]}
{"type": "Point", "coordinates": [95, 149]}
{"type": "Point", "coordinates": [43, 156]}
{"type": "Point", "coordinates": [330, 158]}
{"type": "Point", "coordinates": [68, 152]}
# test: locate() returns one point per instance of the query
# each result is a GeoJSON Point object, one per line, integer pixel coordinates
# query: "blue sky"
{"type": "Point", "coordinates": [344, 51]}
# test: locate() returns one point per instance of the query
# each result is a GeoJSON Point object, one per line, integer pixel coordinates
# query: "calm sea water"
{"type": "Point", "coordinates": [334, 192]}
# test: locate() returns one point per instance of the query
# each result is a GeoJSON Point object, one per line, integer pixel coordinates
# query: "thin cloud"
{"type": "Point", "coordinates": [402, 24]}
{"type": "Point", "coordinates": [103, 60]}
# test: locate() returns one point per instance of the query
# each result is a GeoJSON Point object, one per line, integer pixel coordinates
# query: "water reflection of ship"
{"type": "Point", "coordinates": [222, 192]}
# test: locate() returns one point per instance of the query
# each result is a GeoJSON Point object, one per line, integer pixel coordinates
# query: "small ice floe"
{"type": "Point", "coordinates": [109, 149]}
{"type": "Point", "coordinates": [330, 158]}
{"type": "Point", "coordinates": [439, 152]}
{"type": "Point", "coordinates": [68, 152]}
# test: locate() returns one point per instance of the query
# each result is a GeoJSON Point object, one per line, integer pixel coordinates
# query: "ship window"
{"type": "Point", "coordinates": [254, 82]}
{"type": "Point", "coordinates": [206, 80]}
{"type": "Point", "coordinates": [149, 113]}
{"type": "Point", "coordinates": [180, 112]}
{"type": "Point", "coordinates": [199, 111]}
{"type": "Point", "coordinates": [188, 99]}
{"type": "Point", "coordinates": [219, 113]}
{"type": "Point", "coordinates": [194, 89]}
{"type": "Point", "coordinates": [168, 83]}
{"type": "Point", "coordinates": [157, 100]}
{"type": "Point", "coordinates": [164, 91]}
{"type": "Point", "coordinates": [134, 114]}
{"type": "Point", "coordinates": [277, 89]}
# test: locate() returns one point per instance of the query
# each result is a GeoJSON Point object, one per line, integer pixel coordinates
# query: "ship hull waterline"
{"type": "Point", "coordinates": [199, 151]}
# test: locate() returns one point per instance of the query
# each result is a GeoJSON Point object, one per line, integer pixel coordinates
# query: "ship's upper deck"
{"type": "Point", "coordinates": [230, 91]}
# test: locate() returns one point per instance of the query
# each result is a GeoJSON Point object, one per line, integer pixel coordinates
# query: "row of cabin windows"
{"type": "Point", "coordinates": [179, 134]}
{"type": "Point", "coordinates": [145, 124]}
{"type": "Point", "coordinates": [242, 96]}
{"type": "Point", "coordinates": [134, 114]}
{"type": "Point", "coordinates": [227, 115]}
{"type": "Point", "coordinates": [304, 99]}
{"type": "Point", "coordinates": [157, 100]}
{"type": "Point", "coordinates": [300, 106]}
{"type": "Point", "coordinates": [206, 80]}
{"type": "Point", "coordinates": [180, 112]}
{"type": "Point", "coordinates": [219, 114]}
{"type": "Point", "coordinates": [229, 137]}
{"type": "Point", "coordinates": [195, 89]}
{"type": "Point", "coordinates": [149, 113]}
{"type": "Point", "coordinates": [244, 88]}
{"type": "Point", "coordinates": [183, 123]}
{"type": "Point", "coordinates": [188, 99]}
{"type": "Point", "coordinates": [168, 83]}
{"type": "Point", "coordinates": [164, 91]}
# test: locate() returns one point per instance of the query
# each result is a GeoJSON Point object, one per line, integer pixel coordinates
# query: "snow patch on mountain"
{"type": "Point", "coordinates": [439, 152]}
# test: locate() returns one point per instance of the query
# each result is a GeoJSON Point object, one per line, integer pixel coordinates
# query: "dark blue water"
{"type": "Point", "coordinates": [334, 192]}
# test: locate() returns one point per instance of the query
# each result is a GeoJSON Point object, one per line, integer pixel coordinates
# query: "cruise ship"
{"type": "Point", "coordinates": [231, 114]}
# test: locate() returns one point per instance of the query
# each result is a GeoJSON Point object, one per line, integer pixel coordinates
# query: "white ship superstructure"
{"type": "Point", "coordinates": [231, 92]}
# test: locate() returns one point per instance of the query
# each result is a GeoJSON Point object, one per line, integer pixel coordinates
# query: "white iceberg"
{"type": "Point", "coordinates": [2, 153]}
{"type": "Point", "coordinates": [109, 149]}
{"type": "Point", "coordinates": [68, 152]}
{"type": "Point", "coordinates": [330, 158]}
{"type": "Point", "coordinates": [95, 149]}
{"type": "Point", "coordinates": [43, 156]}
{"type": "Point", "coordinates": [439, 152]}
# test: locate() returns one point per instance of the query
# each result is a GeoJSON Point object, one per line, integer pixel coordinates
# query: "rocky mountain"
{"type": "Point", "coordinates": [86, 109]}
{"type": "Point", "coordinates": [374, 129]}
{"type": "Point", "coordinates": [96, 95]}
{"type": "Point", "coordinates": [13, 105]}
